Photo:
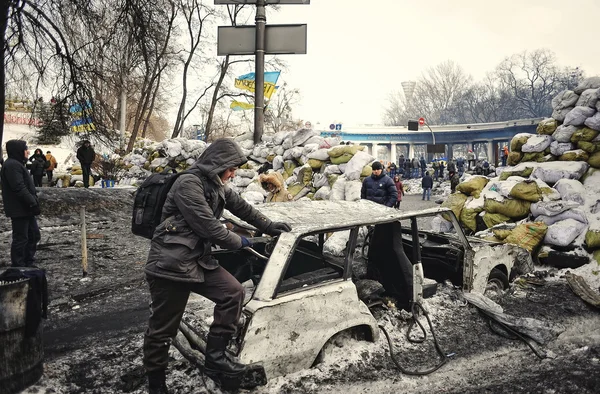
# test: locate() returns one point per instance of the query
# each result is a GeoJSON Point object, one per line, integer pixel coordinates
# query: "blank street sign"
{"type": "Point", "coordinates": [279, 40]}
{"type": "Point", "coordinates": [281, 2]}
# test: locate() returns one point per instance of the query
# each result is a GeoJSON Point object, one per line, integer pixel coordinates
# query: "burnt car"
{"type": "Point", "coordinates": [302, 285]}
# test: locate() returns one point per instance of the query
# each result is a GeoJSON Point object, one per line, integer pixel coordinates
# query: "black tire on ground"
{"type": "Point", "coordinates": [498, 278]}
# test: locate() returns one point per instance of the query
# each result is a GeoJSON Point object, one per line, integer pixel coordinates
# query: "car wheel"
{"type": "Point", "coordinates": [497, 281]}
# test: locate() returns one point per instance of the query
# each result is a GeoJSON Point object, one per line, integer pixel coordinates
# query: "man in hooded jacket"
{"type": "Point", "coordinates": [180, 262]}
{"type": "Point", "coordinates": [20, 204]}
{"type": "Point", "coordinates": [86, 156]}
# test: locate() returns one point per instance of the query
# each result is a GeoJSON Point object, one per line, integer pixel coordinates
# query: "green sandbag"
{"type": "Point", "coordinates": [546, 126]}
{"type": "Point", "coordinates": [295, 189]}
{"type": "Point", "coordinates": [289, 167]}
{"type": "Point", "coordinates": [305, 175]}
{"type": "Point", "coordinates": [467, 217]}
{"type": "Point", "coordinates": [574, 155]}
{"type": "Point", "coordinates": [589, 147]}
{"type": "Point", "coordinates": [584, 134]}
{"type": "Point", "coordinates": [331, 179]}
{"type": "Point", "coordinates": [344, 158]}
{"type": "Point", "coordinates": [523, 173]}
{"type": "Point", "coordinates": [533, 156]}
{"type": "Point", "coordinates": [528, 191]}
{"type": "Point", "coordinates": [527, 235]}
{"type": "Point", "coordinates": [592, 239]}
{"type": "Point", "coordinates": [517, 142]}
{"type": "Point", "coordinates": [501, 233]}
{"type": "Point", "coordinates": [474, 184]}
{"type": "Point", "coordinates": [492, 219]}
{"type": "Point", "coordinates": [514, 158]}
{"type": "Point", "coordinates": [340, 150]}
{"type": "Point", "coordinates": [455, 202]}
{"type": "Point", "coordinates": [514, 209]}
{"type": "Point", "coordinates": [594, 160]}
{"type": "Point", "coordinates": [315, 164]}
{"type": "Point", "coordinates": [271, 157]}
{"type": "Point", "coordinates": [366, 171]}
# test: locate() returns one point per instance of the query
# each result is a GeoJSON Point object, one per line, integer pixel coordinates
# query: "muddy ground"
{"type": "Point", "coordinates": [93, 336]}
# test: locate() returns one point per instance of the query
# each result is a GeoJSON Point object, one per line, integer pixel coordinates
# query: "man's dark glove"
{"type": "Point", "coordinates": [276, 228]}
{"type": "Point", "coordinates": [246, 242]}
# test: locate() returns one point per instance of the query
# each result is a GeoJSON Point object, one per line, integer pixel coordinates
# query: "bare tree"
{"type": "Point", "coordinates": [278, 111]}
{"type": "Point", "coordinates": [395, 113]}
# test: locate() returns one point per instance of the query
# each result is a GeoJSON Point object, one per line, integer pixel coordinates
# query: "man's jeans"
{"type": "Point", "coordinates": [86, 172]}
{"type": "Point", "coordinates": [25, 236]}
{"type": "Point", "coordinates": [427, 192]}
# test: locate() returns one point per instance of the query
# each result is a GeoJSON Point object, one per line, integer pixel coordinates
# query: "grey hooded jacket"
{"type": "Point", "coordinates": [181, 245]}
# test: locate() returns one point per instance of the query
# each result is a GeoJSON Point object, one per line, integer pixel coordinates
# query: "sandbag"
{"type": "Point", "coordinates": [546, 126]}
{"type": "Point", "coordinates": [473, 185]}
{"type": "Point", "coordinates": [366, 171]}
{"type": "Point", "coordinates": [278, 163]}
{"type": "Point", "coordinates": [593, 122]}
{"type": "Point", "coordinates": [344, 150]}
{"type": "Point", "coordinates": [493, 219]}
{"type": "Point", "coordinates": [594, 160]}
{"type": "Point", "coordinates": [305, 175]}
{"type": "Point", "coordinates": [584, 134]}
{"type": "Point", "coordinates": [564, 99]}
{"type": "Point", "coordinates": [524, 172]}
{"type": "Point", "coordinates": [558, 148]}
{"type": "Point", "coordinates": [320, 180]}
{"type": "Point", "coordinates": [441, 225]}
{"type": "Point", "coordinates": [564, 232]}
{"type": "Point", "coordinates": [578, 115]}
{"type": "Point", "coordinates": [537, 143]}
{"type": "Point", "coordinates": [574, 213]}
{"type": "Point", "coordinates": [564, 133]}
{"type": "Point", "coordinates": [338, 189]}
{"type": "Point", "coordinates": [561, 114]}
{"type": "Point", "coordinates": [514, 158]}
{"type": "Point", "coordinates": [295, 189]}
{"type": "Point", "coordinates": [455, 202]}
{"type": "Point", "coordinates": [589, 147]}
{"type": "Point", "coordinates": [571, 190]}
{"type": "Point", "coordinates": [309, 148]}
{"type": "Point", "coordinates": [356, 165]}
{"type": "Point", "coordinates": [319, 154]}
{"type": "Point", "coordinates": [352, 190]}
{"type": "Point", "coordinates": [342, 159]}
{"type": "Point", "coordinates": [315, 164]}
{"type": "Point", "coordinates": [574, 155]}
{"type": "Point", "coordinates": [592, 239]}
{"type": "Point", "coordinates": [322, 193]}
{"type": "Point", "coordinates": [467, 217]}
{"type": "Point", "coordinates": [332, 169]}
{"type": "Point", "coordinates": [552, 172]}
{"type": "Point", "coordinates": [588, 83]}
{"type": "Point", "coordinates": [551, 208]}
{"type": "Point", "coordinates": [534, 156]}
{"type": "Point", "coordinates": [527, 190]}
{"type": "Point", "coordinates": [588, 98]}
{"type": "Point", "coordinates": [514, 209]}
{"type": "Point", "coordinates": [289, 167]}
{"type": "Point", "coordinates": [519, 140]}
{"type": "Point", "coordinates": [280, 136]}
{"type": "Point", "coordinates": [527, 235]}
{"type": "Point", "coordinates": [301, 136]}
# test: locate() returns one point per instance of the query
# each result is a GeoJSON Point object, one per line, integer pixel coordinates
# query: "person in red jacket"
{"type": "Point", "coordinates": [400, 188]}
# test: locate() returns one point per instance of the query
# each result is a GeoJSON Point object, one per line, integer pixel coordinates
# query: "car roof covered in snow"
{"type": "Point", "coordinates": [309, 216]}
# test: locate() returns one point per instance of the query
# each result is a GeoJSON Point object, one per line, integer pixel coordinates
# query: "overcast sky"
{"type": "Point", "coordinates": [361, 50]}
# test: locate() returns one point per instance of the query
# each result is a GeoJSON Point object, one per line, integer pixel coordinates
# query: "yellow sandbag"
{"type": "Point", "coordinates": [271, 157]}
{"type": "Point", "coordinates": [340, 150]}
{"type": "Point", "coordinates": [594, 160]}
{"type": "Point", "coordinates": [467, 217]}
{"type": "Point", "coordinates": [474, 184]}
{"type": "Point", "coordinates": [523, 173]}
{"type": "Point", "coordinates": [589, 147]}
{"type": "Point", "coordinates": [493, 239]}
{"type": "Point", "coordinates": [305, 175]}
{"type": "Point", "coordinates": [514, 158]}
{"type": "Point", "coordinates": [331, 179]}
{"type": "Point", "coordinates": [76, 172]}
{"type": "Point", "coordinates": [366, 171]}
{"type": "Point", "coordinates": [492, 219]}
{"type": "Point", "coordinates": [533, 156]}
{"type": "Point", "coordinates": [528, 191]}
{"type": "Point", "coordinates": [295, 189]}
{"type": "Point", "coordinates": [66, 180]}
{"type": "Point", "coordinates": [546, 126]}
{"type": "Point", "coordinates": [514, 209]}
{"type": "Point", "coordinates": [527, 235]}
{"type": "Point", "coordinates": [574, 155]}
{"type": "Point", "coordinates": [501, 233]}
{"type": "Point", "coordinates": [592, 239]}
{"type": "Point", "coordinates": [315, 164]}
{"type": "Point", "coordinates": [345, 158]}
{"type": "Point", "coordinates": [517, 142]}
{"type": "Point", "coordinates": [289, 167]}
{"type": "Point", "coordinates": [455, 202]}
{"type": "Point", "coordinates": [584, 134]}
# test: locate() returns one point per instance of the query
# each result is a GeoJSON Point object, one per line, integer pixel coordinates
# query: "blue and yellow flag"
{"type": "Point", "coordinates": [240, 105]}
{"type": "Point", "coordinates": [248, 82]}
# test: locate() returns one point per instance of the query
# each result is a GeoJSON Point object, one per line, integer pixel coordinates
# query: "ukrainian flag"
{"type": "Point", "coordinates": [248, 82]}
{"type": "Point", "coordinates": [240, 105]}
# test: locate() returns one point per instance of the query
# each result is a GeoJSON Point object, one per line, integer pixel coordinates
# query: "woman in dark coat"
{"type": "Point", "coordinates": [38, 167]}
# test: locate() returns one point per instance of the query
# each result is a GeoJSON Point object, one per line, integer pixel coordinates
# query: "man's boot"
{"type": "Point", "coordinates": [219, 366]}
{"type": "Point", "coordinates": [157, 382]}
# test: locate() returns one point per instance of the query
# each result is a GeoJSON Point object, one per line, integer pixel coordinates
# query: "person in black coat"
{"type": "Point", "coordinates": [20, 204]}
{"type": "Point", "coordinates": [379, 187]}
{"type": "Point", "coordinates": [423, 166]}
{"type": "Point", "coordinates": [427, 184]}
{"type": "Point", "coordinates": [86, 155]}
{"type": "Point", "coordinates": [38, 167]}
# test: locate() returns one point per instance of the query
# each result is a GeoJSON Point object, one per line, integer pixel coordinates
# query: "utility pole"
{"type": "Point", "coordinates": [122, 115]}
{"type": "Point", "coordinates": [259, 101]}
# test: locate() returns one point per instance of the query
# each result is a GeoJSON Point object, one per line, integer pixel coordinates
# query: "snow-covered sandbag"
{"type": "Point", "coordinates": [563, 233]}
{"type": "Point", "coordinates": [320, 180]}
{"type": "Point", "coordinates": [280, 136]}
{"type": "Point", "coordinates": [288, 142]}
{"type": "Point", "coordinates": [319, 154]}
{"type": "Point", "coordinates": [551, 208]}
{"type": "Point", "coordinates": [352, 190]}
{"type": "Point", "coordinates": [554, 171]}
{"type": "Point", "coordinates": [172, 148]}
{"type": "Point", "coordinates": [561, 114]}
{"type": "Point", "coordinates": [278, 163]}
{"type": "Point", "coordinates": [247, 136]}
{"type": "Point", "coordinates": [256, 187]}
{"type": "Point", "coordinates": [287, 155]}
{"type": "Point", "coordinates": [546, 126]}
{"type": "Point", "coordinates": [338, 189]}
{"type": "Point", "coordinates": [247, 144]}
{"type": "Point", "coordinates": [558, 148]}
{"type": "Point", "coordinates": [441, 225]}
{"type": "Point", "coordinates": [329, 142]}
{"type": "Point", "coordinates": [309, 148]}
{"type": "Point", "coordinates": [574, 213]}
{"type": "Point", "coordinates": [296, 152]}
{"type": "Point", "coordinates": [519, 140]}
{"type": "Point", "coordinates": [593, 122]}
{"type": "Point", "coordinates": [301, 136]}
{"type": "Point", "coordinates": [588, 83]}
{"type": "Point", "coordinates": [588, 98]}
{"type": "Point", "coordinates": [564, 99]}
{"type": "Point", "coordinates": [245, 173]}
{"type": "Point", "coordinates": [241, 181]}
{"type": "Point", "coordinates": [279, 150]}
{"type": "Point", "coordinates": [591, 182]}
{"type": "Point", "coordinates": [253, 197]}
{"type": "Point", "coordinates": [336, 243]}
{"type": "Point", "coordinates": [571, 190]}
{"type": "Point", "coordinates": [355, 166]}
{"type": "Point", "coordinates": [537, 143]}
{"type": "Point", "coordinates": [291, 180]}
{"type": "Point", "coordinates": [574, 155]}
{"type": "Point", "coordinates": [578, 115]}
{"type": "Point", "coordinates": [342, 167]}
{"type": "Point", "coordinates": [548, 193]}
{"type": "Point", "coordinates": [322, 193]}
{"type": "Point", "coordinates": [332, 169]}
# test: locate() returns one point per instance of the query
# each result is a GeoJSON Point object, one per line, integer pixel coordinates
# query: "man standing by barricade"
{"type": "Point", "coordinates": [86, 155]}
{"type": "Point", "coordinates": [52, 164]}
{"type": "Point", "coordinates": [379, 187]}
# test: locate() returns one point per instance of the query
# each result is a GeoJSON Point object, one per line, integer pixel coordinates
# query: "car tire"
{"type": "Point", "coordinates": [497, 281]}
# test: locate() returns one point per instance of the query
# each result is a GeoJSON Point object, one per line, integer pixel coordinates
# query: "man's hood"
{"type": "Point", "coordinates": [15, 149]}
{"type": "Point", "coordinates": [222, 154]}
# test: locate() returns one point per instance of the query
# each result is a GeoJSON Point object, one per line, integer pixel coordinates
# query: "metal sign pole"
{"type": "Point", "coordinates": [259, 90]}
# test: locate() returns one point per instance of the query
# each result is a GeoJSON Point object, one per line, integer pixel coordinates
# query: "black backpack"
{"type": "Point", "coordinates": [149, 200]}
